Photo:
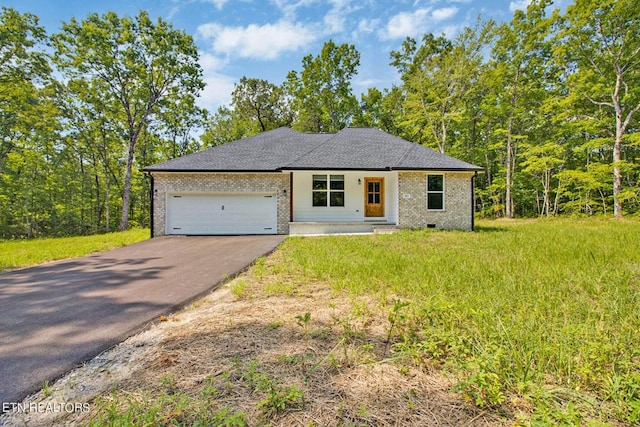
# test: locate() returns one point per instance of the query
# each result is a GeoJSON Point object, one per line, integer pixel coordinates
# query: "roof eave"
{"type": "Point", "coordinates": [151, 170]}
{"type": "Point", "coordinates": [481, 170]}
{"type": "Point", "coordinates": [328, 168]}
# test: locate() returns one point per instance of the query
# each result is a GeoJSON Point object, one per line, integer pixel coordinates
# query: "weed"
{"type": "Point", "coordinates": [281, 399]}
{"type": "Point", "coordinates": [259, 268]}
{"type": "Point", "coordinates": [168, 383]}
{"type": "Point", "coordinates": [238, 288]}
{"type": "Point", "coordinates": [275, 324]}
{"type": "Point", "coordinates": [303, 322]}
{"type": "Point", "coordinates": [277, 398]}
{"type": "Point", "coordinates": [174, 409]}
{"type": "Point", "coordinates": [46, 388]}
{"type": "Point", "coordinates": [394, 317]}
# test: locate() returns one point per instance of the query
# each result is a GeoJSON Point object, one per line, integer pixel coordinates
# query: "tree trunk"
{"type": "Point", "coordinates": [126, 191]}
{"type": "Point", "coordinates": [106, 202]}
{"type": "Point", "coordinates": [617, 177]}
{"type": "Point", "coordinates": [546, 206]}
{"type": "Point", "coordinates": [509, 177]}
{"type": "Point", "coordinates": [617, 148]}
{"type": "Point", "coordinates": [510, 148]}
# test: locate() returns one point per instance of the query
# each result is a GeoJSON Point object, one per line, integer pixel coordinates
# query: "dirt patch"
{"type": "Point", "coordinates": [327, 350]}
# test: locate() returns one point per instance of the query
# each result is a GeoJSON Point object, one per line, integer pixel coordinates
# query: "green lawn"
{"type": "Point", "coordinates": [541, 318]}
{"type": "Point", "coordinates": [22, 253]}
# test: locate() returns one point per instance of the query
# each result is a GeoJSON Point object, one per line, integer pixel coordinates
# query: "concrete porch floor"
{"type": "Point", "coordinates": [315, 228]}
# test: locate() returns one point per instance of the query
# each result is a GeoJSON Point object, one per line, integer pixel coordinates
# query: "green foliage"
{"type": "Point", "coordinates": [135, 71]}
{"type": "Point", "coordinates": [541, 312]}
{"type": "Point", "coordinates": [281, 399]}
{"type": "Point", "coordinates": [303, 320]}
{"type": "Point", "coordinates": [22, 253]}
{"type": "Point", "coordinates": [262, 102]}
{"type": "Point", "coordinates": [278, 398]}
{"type": "Point", "coordinates": [323, 99]}
{"type": "Point", "coordinates": [176, 408]}
{"type": "Point", "coordinates": [172, 406]}
{"type": "Point", "coordinates": [600, 44]}
{"type": "Point", "coordinates": [547, 103]}
{"type": "Point", "coordinates": [437, 77]}
{"type": "Point", "coordinates": [238, 287]}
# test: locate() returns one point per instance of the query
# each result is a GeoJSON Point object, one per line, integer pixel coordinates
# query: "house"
{"type": "Point", "coordinates": [286, 182]}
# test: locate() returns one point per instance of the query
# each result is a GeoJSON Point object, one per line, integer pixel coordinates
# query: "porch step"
{"type": "Point", "coordinates": [385, 228]}
{"type": "Point", "coordinates": [307, 228]}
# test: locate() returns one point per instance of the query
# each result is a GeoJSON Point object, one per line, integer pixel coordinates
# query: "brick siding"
{"type": "Point", "coordinates": [412, 202]}
{"type": "Point", "coordinates": [219, 183]}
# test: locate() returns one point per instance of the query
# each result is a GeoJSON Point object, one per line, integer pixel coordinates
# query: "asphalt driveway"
{"type": "Point", "coordinates": [57, 315]}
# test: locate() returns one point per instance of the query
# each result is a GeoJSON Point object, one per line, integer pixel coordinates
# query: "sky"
{"type": "Point", "coordinates": [266, 39]}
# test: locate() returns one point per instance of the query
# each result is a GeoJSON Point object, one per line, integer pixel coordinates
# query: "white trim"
{"type": "Point", "coordinates": [436, 192]}
{"type": "Point", "coordinates": [328, 191]}
{"type": "Point", "coordinates": [160, 173]}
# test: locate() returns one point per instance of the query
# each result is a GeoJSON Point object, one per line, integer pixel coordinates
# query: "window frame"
{"type": "Point", "coordinates": [328, 191]}
{"type": "Point", "coordinates": [439, 192]}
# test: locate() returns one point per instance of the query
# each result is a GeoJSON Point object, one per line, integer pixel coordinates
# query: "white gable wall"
{"type": "Point", "coordinates": [353, 210]}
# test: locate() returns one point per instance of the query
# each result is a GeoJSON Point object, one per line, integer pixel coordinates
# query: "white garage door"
{"type": "Point", "coordinates": [222, 214]}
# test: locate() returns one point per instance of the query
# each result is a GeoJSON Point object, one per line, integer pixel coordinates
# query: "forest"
{"type": "Point", "coordinates": [547, 104]}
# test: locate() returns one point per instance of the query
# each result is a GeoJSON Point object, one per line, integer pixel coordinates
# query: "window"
{"type": "Point", "coordinates": [328, 190]}
{"type": "Point", "coordinates": [435, 192]}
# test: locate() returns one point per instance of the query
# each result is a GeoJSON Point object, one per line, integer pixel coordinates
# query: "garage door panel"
{"type": "Point", "coordinates": [222, 214]}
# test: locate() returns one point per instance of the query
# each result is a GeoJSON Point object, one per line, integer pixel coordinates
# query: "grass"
{"type": "Point", "coordinates": [23, 253]}
{"type": "Point", "coordinates": [540, 316]}
{"type": "Point", "coordinates": [535, 322]}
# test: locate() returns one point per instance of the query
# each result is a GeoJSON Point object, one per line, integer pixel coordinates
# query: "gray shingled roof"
{"type": "Point", "coordinates": [286, 149]}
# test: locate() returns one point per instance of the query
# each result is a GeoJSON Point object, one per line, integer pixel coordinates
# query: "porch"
{"type": "Point", "coordinates": [348, 227]}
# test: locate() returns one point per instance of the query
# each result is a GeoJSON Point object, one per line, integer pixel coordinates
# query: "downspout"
{"type": "Point", "coordinates": [473, 201]}
{"type": "Point", "coordinates": [151, 205]}
{"type": "Point", "coordinates": [290, 196]}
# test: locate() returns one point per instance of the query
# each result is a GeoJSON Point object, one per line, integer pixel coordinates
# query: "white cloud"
{"type": "Point", "coordinates": [337, 16]}
{"type": "Point", "coordinates": [218, 3]}
{"type": "Point", "coordinates": [334, 22]}
{"type": "Point", "coordinates": [450, 31]}
{"type": "Point", "coordinates": [210, 62]}
{"type": "Point", "coordinates": [289, 8]}
{"type": "Point", "coordinates": [406, 24]}
{"type": "Point", "coordinates": [218, 87]}
{"type": "Point", "coordinates": [519, 5]}
{"type": "Point", "coordinates": [334, 19]}
{"type": "Point", "coordinates": [367, 26]}
{"type": "Point", "coordinates": [257, 41]}
{"type": "Point", "coordinates": [412, 24]}
{"type": "Point", "coordinates": [444, 13]}
{"type": "Point", "coordinates": [217, 91]}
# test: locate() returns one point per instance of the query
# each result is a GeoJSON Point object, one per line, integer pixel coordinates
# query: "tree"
{"type": "Point", "coordinates": [519, 59]}
{"type": "Point", "coordinates": [93, 151]}
{"type": "Point", "coordinates": [24, 69]}
{"type": "Point", "coordinates": [600, 43]}
{"type": "Point", "coordinates": [437, 76]}
{"type": "Point", "coordinates": [141, 65]}
{"type": "Point", "coordinates": [380, 109]}
{"type": "Point", "coordinates": [322, 97]}
{"type": "Point", "coordinates": [261, 101]}
{"type": "Point", "coordinates": [225, 126]}
{"type": "Point", "coordinates": [28, 126]}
